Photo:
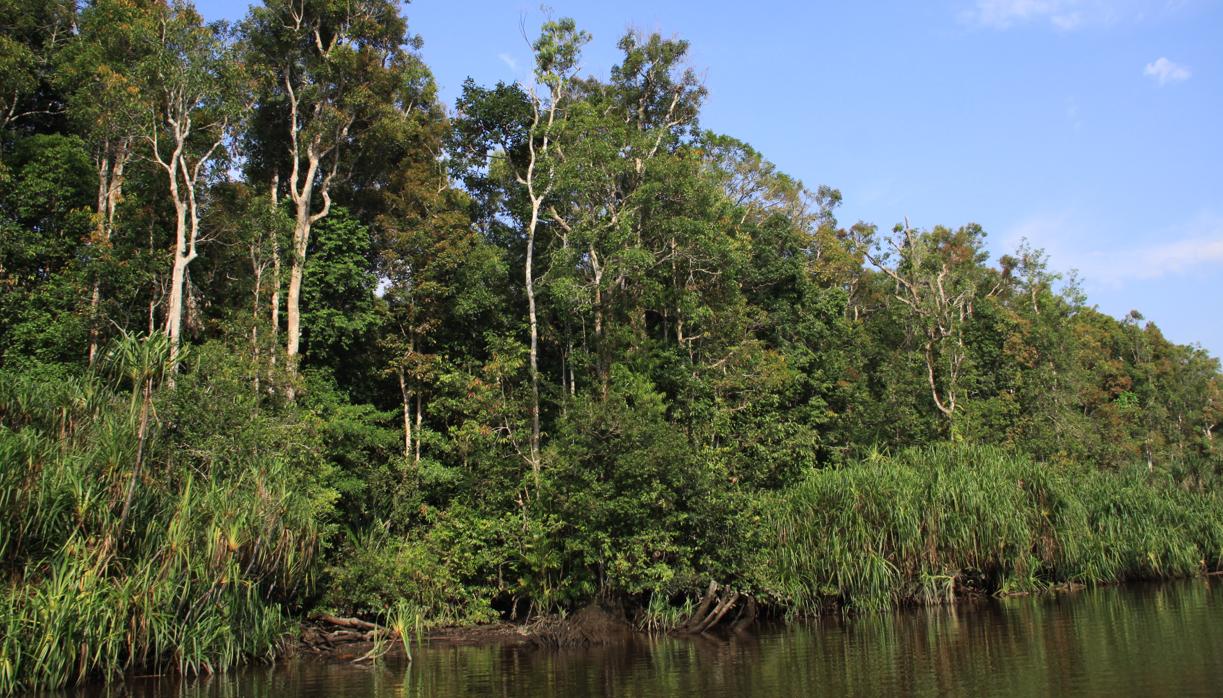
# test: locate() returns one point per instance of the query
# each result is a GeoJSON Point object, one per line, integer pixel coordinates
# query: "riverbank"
{"type": "Point", "coordinates": [349, 639]}
{"type": "Point", "coordinates": [1128, 640]}
{"type": "Point", "coordinates": [528, 636]}
{"type": "Point", "coordinates": [208, 584]}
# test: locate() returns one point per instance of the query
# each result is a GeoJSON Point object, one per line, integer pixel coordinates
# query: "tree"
{"type": "Point", "coordinates": [338, 292]}
{"type": "Point", "coordinates": [422, 258]}
{"type": "Point", "coordinates": [100, 76]}
{"type": "Point", "coordinates": [32, 35]}
{"type": "Point", "coordinates": [618, 162]}
{"type": "Point", "coordinates": [935, 279]}
{"type": "Point", "coordinates": [334, 73]}
{"type": "Point", "coordinates": [189, 86]}
{"type": "Point", "coordinates": [506, 147]}
{"type": "Point", "coordinates": [557, 51]}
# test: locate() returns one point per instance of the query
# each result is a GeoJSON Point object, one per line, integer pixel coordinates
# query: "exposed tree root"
{"type": "Point", "coordinates": [714, 609]}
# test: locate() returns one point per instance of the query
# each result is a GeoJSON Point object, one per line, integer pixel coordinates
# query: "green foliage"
{"type": "Point", "coordinates": [377, 574]}
{"type": "Point", "coordinates": [636, 508]}
{"type": "Point", "coordinates": [716, 363]}
{"type": "Point", "coordinates": [358, 447]}
{"type": "Point", "coordinates": [218, 544]}
{"type": "Point", "coordinates": [43, 215]}
{"type": "Point", "coordinates": [557, 50]}
{"type": "Point", "coordinates": [338, 306]}
{"type": "Point", "coordinates": [935, 522]}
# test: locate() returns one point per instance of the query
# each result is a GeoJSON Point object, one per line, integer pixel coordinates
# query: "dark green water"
{"type": "Point", "coordinates": [1164, 640]}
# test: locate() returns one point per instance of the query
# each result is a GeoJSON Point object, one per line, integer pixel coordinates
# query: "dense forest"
{"type": "Point", "coordinates": [280, 332]}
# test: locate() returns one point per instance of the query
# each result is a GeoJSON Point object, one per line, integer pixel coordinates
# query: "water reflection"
{"type": "Point", "coordinates": [1146, 640]}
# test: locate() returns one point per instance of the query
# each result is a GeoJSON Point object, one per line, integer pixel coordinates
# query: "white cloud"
{"type": "Point", "coordinates": [1176, 257]}
{"type": "Point", "coordinates": [1165, 71]}
{"type": "Point", "coordinates": [1184, 248]}
{"type": "Point", "coordinates": [509, 61]}
{"type": "Point", "coordinates": [1063, 15]}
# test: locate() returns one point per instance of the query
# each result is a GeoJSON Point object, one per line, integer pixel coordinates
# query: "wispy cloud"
{"type": "Point", "coordinates": [509, 61]}
{"type": "Point", "coordinates": [1175, 257]}
{"type": "Point", "coordinates": [1074, 116]}
{"type": "Point", "coordinates": [1063, 15]}
{"type": "Point", "coordinates": [1192, 246]}
{"type": "Point", "coordinates": [1165, 71]}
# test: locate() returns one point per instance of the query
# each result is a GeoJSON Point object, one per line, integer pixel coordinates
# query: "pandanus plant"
{"type": "Point", "coordinates": [143, 363]}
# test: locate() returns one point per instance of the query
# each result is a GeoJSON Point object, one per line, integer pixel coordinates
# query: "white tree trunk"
{"type": "Point", "coordinates": [406, 397]}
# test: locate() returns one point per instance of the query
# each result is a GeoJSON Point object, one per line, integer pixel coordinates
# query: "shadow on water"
{"type": "Point", "coordinates": [1138, 640]}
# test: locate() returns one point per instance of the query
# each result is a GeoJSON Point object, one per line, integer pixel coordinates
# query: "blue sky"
{"type": "Point", "coordinates": [1094, 128]}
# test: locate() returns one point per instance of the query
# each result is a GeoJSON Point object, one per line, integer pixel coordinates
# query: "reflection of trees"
{"type": "Point", "coordinates": [1142, 640]}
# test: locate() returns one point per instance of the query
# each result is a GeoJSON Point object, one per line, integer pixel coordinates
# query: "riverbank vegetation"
{"type": "Point", "coordinates": [934, 522]}
{"type": "Point", "coordinates": [281, 333]}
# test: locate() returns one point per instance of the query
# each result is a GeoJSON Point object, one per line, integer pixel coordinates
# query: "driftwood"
{"type": "Point", "coordinates": [348, 622]}
{"type": "Point", "coordinates": [346, 636]}
{"type": "Point", "coordinates": [702, 609]}
{"type": "Point", "coordinates": [726, 603]}
{"type": "Point", "coordinates": [329, 631]}
{"type": "Point", "coordinates": [714, 609]}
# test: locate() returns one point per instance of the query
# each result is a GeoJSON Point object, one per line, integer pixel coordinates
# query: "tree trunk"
{"type": "Point", "coordinates": [301, 238]}
{"type": "Point", "coordinates": [419, 420]}
{"type": "Point", "coordinates": [101, 238]}
{"type": "Point", "coordinates": [257, 267]}
{"type": "Point", "coordinates": [702, 608]}
{"type": "Point", "coordinates": [276, 276]}
{"type": "Point", "coordinates": [297, 266]}
{"type": "Point", "coordinates": [406, 398]}
{"type": "Point", "coordinates": [110, 187]}
{"type": "Point", "coordinates": [174, 311]}
{"type": "Point", "coordinates": [945, 406]}
{"type": "Point", "coordinates": [275, 319]}
{"type": "Point", "coordinates": [529, 280]}
{"type": "Point", "coordinates": [302, 192]}
{"type": "Point", "coordinates": [182, 257]}
{"type": "Point", "coordinates": [599, 352]}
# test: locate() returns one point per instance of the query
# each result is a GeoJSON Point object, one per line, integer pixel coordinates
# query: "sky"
{"type": "Point", "coordinates": [1091, 128]}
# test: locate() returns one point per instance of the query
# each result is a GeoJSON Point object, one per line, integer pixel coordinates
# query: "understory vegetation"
{"type": "Point", "coordinates": [934, 522]}
{"type": "Point", "coordinates": [124, 546]}
{"type": "Point", "coordinates": [282, 335]}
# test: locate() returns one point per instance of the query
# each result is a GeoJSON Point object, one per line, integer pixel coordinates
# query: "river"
{"type": "Point", "coordinates": [1143, 640]}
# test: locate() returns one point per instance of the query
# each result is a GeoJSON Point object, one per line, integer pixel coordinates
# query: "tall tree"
{"type": "Point", "coordinates": [622, 169]}
{"type": "Point", "coordinates": [425, 245]}
{"type": "Point", "coordinates": [335, 72]}
{"type": "Point", "coordinates": [189, 84]}
{"type": "Point", "coordinates": [935, 275]}
{"type": "Point", "coordinates": [104, 101]}
{"type": "Point", "coordinates": [557, 52]}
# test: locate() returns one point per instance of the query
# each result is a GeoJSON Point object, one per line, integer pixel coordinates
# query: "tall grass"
{"type": "Point", "coordinates": [925, 525]}
{"type": "Point", "coordinates": [106, 567]}
{"type": "Point", "coordinates": [660, 615]}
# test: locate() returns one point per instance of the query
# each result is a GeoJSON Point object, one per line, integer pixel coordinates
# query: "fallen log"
{"type": "Point", "coordinates": [338, 636]}
{"type": "Point", "coordinates": [330, 631]}
{"type": "Point", "coordinates": [702, 609]}
{"type": "Point", "coordinates": [348, 622]}
{"type": "Point", "coordinates": [728, 602]}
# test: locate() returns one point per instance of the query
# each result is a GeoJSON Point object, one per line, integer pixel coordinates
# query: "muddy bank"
{"type": "Point", "coordinates": [352, 640]}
